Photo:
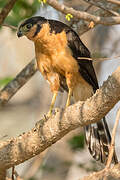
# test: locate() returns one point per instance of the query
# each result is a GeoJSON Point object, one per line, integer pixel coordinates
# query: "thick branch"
{"type": "Point", "coordinates": [5, 11]}
{"type": "Point", "coordinates": [3, 174]}
{"type": "Point", "coordinates": [84, 15]}
{"type": "Point", "coordinates": [47, 132]}
{"type": "Point", "coordinates": [8, 91]}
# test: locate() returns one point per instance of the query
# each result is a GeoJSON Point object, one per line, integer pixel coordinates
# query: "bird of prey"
{"type": "Point", "coordinates": [58, 51]}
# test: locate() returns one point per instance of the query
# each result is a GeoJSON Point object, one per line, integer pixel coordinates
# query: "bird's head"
{"type": "Point", "coordinates": [31, 27]}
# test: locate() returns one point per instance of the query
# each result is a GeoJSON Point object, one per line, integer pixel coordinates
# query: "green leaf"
{"type": "Point", "coordinates": [77, 142]}
{"type": "Point", "coordinates": [32, 178]}
{"type": "Point", "coordinates": [45, 167]}
{"type": "Point", "coordinates": [21, 10]}
{"type": "Point", "coordinates": [5, 81]}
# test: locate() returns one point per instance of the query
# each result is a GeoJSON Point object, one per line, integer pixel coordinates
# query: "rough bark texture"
{"type": "Point", "coordinates": [84, 15]}
{"type": "Point", "coordinates": [83, 26]}
{"type": "Point", "coordinates": [47, 131]}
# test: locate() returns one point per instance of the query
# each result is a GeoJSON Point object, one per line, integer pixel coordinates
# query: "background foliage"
{"type": "Point", "coordinates": [22, 9]}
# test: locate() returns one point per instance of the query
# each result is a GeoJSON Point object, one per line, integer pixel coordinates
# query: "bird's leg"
{"type": "Point", "coordinates": [69, 97]}
{"type": "Point", "coordinates": [52, 103]}
{"type": "Point", "coordinates": [54, 81]}
{"type": "Point", "coordinates": [70, 83]}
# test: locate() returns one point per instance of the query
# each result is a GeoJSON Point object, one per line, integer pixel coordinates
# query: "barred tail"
{"type": "Point", "coordinates": [97, 135]}
{"type": "Point", "coordinates": [98, 139]}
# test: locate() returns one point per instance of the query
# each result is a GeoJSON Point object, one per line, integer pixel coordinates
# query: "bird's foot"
{"type": "Point", "coordinates": [56, 110]}
{"type": "Point", "coordinates": [52, 112]}
{"type": "Point", "coordinates": [49, 114]}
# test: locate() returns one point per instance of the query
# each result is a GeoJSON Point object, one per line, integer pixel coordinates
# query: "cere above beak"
{"type": "Point", "coordinates": [19, 34]}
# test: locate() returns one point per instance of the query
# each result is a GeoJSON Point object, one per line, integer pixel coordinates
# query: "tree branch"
{"type": "Point", "coordinates": [84, 15]}
{"type": "Point", "coordinates": [3, 174]}
{"type": "Point", "coordinates": [112, 145]}
{"type": "Point", "coordinates": [10, 26]}
{"type": "Point", "coordinates": [5, 11]}
{"type": "Point", "coordinates": [101, 6]}
{"type": "Point", "coordinates": [48, 131]}
{"type": "Point", "coordinates": [83, 26]}
{"type": "Point", "coordinates": [8, 91]}
{"type": "Point", "coordinates": [116, 2]}
{"type": "Point", "coordinates": [112, 173]}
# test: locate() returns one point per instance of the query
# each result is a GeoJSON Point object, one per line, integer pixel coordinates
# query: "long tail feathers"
{"type": "Point", "coordinates": [98, 139]}
{"type": "Point", "coordinates": [97, 135]}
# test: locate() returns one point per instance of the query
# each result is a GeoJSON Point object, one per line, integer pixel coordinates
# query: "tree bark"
{"type": "Point", "coordinates": [48, 131]}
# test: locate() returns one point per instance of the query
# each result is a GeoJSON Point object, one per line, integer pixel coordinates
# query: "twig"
{"type": "Point", "coordinates": [8, 91]}
{"type": "Point", "coordinates": [116, 2]}
{"type": "Point", "coordinates": [10, 26]}
{"type": "Point", "coordinates": [83, 26]}
{"type": "Point", "coordinates": [99, 59]}
{"type": "Point", "coordinates": [84, 15]}
{"type": "Point", "coordinates": [87, 9]}
{"type": "Point", "coordinates": [113, 173]}
{"type": "Point", "coordinates": [5, 11]}
{"type": "Point", "coordinates": [13, 172]}
{"type": "Point", "coordinates": [102, 7]}
{"type": "Point", "coordinates": [112, 145]}
{"type": "Point", "coordinates": [111, 150]}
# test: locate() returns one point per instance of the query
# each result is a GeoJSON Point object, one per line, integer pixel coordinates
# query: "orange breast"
{"type": "Point", "coordinates": [54, 56]}
{"type": "Point", "coordinates": [53, 52]}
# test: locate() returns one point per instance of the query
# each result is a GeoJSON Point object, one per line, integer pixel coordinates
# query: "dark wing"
{"type": "Point", "coordinates": [85, 66]}
{"type": "Point", "coordinates": [97, 135]}
{"type": "Point", "coordinates": [79, 50]}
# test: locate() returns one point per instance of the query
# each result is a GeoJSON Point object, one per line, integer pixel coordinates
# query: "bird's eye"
{"type": "Point", "coordinates": [28, 26]}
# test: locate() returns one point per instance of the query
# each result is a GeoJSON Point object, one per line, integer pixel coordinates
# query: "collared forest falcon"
{"type": "Point", "coordinates": [58, 49]}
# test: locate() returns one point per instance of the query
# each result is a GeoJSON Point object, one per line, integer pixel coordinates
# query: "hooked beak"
{"type": "Point", "coordinates": [19, 34]}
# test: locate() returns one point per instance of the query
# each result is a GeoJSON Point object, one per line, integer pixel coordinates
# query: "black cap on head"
{"type": "Point", "coordinates": [27, 24]}
{"type": "Point", "coordinates": [33, 20]}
